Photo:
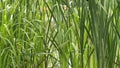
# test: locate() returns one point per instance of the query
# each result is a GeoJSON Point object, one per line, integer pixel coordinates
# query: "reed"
{"type": "Point", "coordinates": [59, 34]}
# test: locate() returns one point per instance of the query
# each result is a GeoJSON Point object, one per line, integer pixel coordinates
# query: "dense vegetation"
{"type": "Point", "coordinates": [59, 33]}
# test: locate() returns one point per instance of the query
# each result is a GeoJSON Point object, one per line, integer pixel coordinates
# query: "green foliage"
{"type": "Point", "coordinates": [59, 34]}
